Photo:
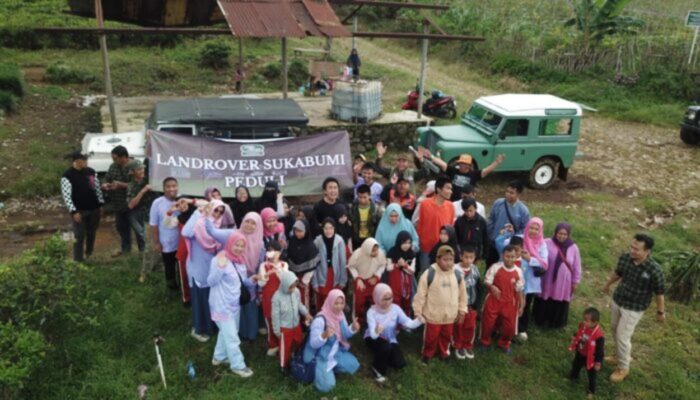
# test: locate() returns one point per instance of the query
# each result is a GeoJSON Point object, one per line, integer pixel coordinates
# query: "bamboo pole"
{"type": "Point", "coordinates": [105, 63]}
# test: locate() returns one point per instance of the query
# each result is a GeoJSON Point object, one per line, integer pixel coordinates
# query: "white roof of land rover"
{"type": "Point", "coordinates": [529, 105]}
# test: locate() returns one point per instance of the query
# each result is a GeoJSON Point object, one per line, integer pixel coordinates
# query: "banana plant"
{"type": "Point", "coordinates": [596, 19]}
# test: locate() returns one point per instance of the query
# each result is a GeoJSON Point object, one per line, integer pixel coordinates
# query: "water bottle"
{"type": "Point", "coordinates": [190, 369]}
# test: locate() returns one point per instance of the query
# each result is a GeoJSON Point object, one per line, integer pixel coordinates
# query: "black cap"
{"type": "Point", "coordinates": [77, 155]}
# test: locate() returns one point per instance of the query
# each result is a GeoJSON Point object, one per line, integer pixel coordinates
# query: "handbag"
{"type": "Point", "coordinates": [301, 371]}
{"type": "Point", "coordinates": [538, 271]}
{"type": "Point", "coordinates": [245, 294]}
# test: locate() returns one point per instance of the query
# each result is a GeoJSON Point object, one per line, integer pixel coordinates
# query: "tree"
{"type": "Point", "coordinates": [596, 19]}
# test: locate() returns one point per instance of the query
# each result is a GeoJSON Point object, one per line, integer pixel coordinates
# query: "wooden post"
{"type": "Point", "coordinates": [105, 63]}
{"type": "Point", "coordinates": [240, 52]}
{"type": "Point", "coordinates": [354, 29]}
{"type": "Point", "coordinates": [423, 62]}
{"type": "Point", "coordinates": [329, 45]}
{"type": "Point", "coordinates": [285, 70]}
{"type": "Point", "coordinates": [692, 46]}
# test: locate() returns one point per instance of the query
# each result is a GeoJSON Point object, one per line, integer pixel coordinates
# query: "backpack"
{"type": "Point", "coordinates": [431, 276]}
{"type": "Point", "coordinates": [304, 372]}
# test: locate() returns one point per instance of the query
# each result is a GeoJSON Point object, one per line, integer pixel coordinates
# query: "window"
{"type": "Point", "coordinates": [179, 129]}
{"type": "Point", "coordinates": [515, 127]}
{"type": "Point", "coordinates": [556, 127]}
{"type": "Point", "coordinates": [484, 117]}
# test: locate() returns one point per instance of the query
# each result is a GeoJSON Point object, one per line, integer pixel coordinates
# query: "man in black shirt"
{"type": "Point", "coordinates": [81, 193]}
{"type": "Point", "coordinates": [463, 172]}
{"type": "Point", "coordinates": [325, 207]}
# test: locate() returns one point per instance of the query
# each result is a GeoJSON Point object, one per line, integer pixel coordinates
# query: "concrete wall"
{"type": "Point", "coordinates": [398, 136]}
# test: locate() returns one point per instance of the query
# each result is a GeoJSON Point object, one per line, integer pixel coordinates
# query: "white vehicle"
{"type": "Point", "coordinates": [98, 147]}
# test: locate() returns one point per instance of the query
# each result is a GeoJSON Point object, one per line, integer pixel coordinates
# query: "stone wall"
{"type": "Point", "coordinates": [397, 135]}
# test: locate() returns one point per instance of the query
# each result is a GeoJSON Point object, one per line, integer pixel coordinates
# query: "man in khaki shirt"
{"type": "Point", "coordinates": [441, 300]}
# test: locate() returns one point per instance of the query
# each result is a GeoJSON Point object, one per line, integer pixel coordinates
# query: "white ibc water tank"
{"type": "Point", "coordinates": [359, 101]}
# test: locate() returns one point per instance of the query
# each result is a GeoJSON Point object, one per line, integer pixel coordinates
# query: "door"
{"type": "Point", "coordinates": [513, 142]}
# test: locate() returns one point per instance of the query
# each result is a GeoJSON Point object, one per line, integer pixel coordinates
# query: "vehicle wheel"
{"type": "Point", "coordinates": [449, 112]}
{"type": "Point", "coordinates": [689, 137]}
{"type": "Point", "coordinates": [544, 173]}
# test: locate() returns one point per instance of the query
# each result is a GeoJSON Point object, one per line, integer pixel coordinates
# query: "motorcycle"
{"type": "Point", "coordinates": [436, 105]}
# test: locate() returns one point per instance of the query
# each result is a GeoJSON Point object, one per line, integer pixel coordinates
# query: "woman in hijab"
{"type": "Point", "coordinates": [384, 320]}
{"type": "Point", "coordinates": [307, 213]}
{"type": "Point", "coordinates": [201, 249]}
{"type": "Point", "coordinates": [273, 230]}
{"type": "Point", "coordinates": [535, 263]}
{"type": "Point", "coordinates": [448, 237]}
{"type": "Point", "coordinates": [559, 283]}
{"type": "Point", "coordinates": [331, 272]}
{"type": "Point", "coordinates": [227, 277]}
{"type": "Point", "coordinates": [241, 205]}
{"type": "Point", "coordinates": [252, 230]}
{"type": "Point", "coordinates": [270, 198]}
{"type": "Point", "coordinates": [401, 266]}
{"type": "Point", "coordinates": [328, 342]}
{"type": "Point", "coordinates": [211, 193]}
{"type": "Point", "coordinates": [366, 266]}
{"type": "Point", "coordinates": [302, 257]}
{"type": "Point", "coordinates": [393, 221]}
{"type": "Point", "coordinates": [342, 222]}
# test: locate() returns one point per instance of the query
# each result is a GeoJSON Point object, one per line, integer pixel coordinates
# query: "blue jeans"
{"type": "Point", "coordinates": [201, 316]}
{"type": "Point", "coordinates": [136, 221]}
{"type": "Point", "coordinates": [325, 380]}
{"type": "Point", "coordinates": [228, 345]}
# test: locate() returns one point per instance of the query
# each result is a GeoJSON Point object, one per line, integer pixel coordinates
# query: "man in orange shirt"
{"type": "Point", "coordinates": [434, 213]}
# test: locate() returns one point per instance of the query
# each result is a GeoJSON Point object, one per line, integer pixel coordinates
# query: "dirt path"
{"type": "Point", "coordinates": [638, 159]}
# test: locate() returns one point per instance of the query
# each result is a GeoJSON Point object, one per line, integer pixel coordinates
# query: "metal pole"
{"type": "Point", "coordinates": [105, 64]}
{"type": "Point", "coordinates": [354, 29]}
{"type": "Point", "coordinates": [285, 70]}
{"type": "Point", "coordinates": [423, 62]}
{"type": "Point", "coordinates": [692, 46]}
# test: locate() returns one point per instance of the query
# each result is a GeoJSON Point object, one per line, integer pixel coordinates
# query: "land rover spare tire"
{"type": "Point", "coordinates": [689, 137]}
{"type": "Point", "coordinates": [544, 173]}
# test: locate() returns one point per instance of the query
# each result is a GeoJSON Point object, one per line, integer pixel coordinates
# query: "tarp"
{"type": "Point", "coordinates": [299, 165]}
{"type": "Point", "coordinates": [229, 110]}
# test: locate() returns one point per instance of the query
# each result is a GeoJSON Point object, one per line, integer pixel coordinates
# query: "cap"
{"type": "Point", "coordinates": [403, 156]}
{"type": "Point", "coordinates": [429, 189]}
{"type": "Point", "coordinates": [445, 250]}
{"type": "Point", "coordinates": [77, 155]}
{"type": "Point", "coordinates": [299, 225]}
{"type": "Point", "coordinates": [135, 164]}
{"type": "Point", "coordinates": [464, 159]}
{"type": "Point", "coordinates": [361, 157]}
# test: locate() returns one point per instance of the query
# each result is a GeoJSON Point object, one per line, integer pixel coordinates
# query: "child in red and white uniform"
{"type": "Point", "coordinates": [504, 302]}
{"type": "Point", "coordinates": [269, 281]}
{"type": "Point", "coordinates": [465, 332]}
{"type": "Point", "coordinates": [588, 344]}
{"type": "Point", "coordinates": [287, 310]}
{"type": "Point", "coordinates": [366, 266]}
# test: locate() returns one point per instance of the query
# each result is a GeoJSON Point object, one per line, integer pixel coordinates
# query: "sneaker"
{"type": "Point", "coordinates": [116, 254]}
{"type": "Point", "coordinates": [469, 353]}
{"type": "Point", "coordinates": [461, 354]}
{"type": "Point", "coordinates": [273, 351]}
{"type": "Point", "coordinates": [217, 363]}
{"type": "Point", "coordinates": [612, 360]}
{"type": "Point", "coordinates": [522, 337]}
{"type": "Point", "coordinates": [198, 337]}
{"type": "Point", "coordinates": [424, 361]}
{"type": "Point", "coordinates": [379, 378]}
{"type": "Point", "coordinates": [243, 373]}
{"type": "Point", "coordinates": [619, 375]}
{"type": "Point", "coordinates": [262, 331]}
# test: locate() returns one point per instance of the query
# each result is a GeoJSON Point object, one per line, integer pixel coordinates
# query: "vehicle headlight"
{"type": "Point", "coordinates": [690, 115]}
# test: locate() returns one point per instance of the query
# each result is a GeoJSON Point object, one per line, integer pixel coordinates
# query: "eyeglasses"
{"type": "Point", "coordinates": [218, 211]}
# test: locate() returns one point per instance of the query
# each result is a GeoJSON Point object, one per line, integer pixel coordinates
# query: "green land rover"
{"type": "Point", "coordinates": [536, 132]}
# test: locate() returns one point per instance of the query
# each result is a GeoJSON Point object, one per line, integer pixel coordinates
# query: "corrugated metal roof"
{"type": "Point", "coordinates": [282, 18]}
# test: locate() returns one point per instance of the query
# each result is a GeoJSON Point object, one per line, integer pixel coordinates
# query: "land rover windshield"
{"type": "Point", "coordinates": [482, 117]}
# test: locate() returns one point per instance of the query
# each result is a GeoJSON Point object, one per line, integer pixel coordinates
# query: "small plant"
{"type": "Point", "coordinates": [683, 274]}
{"type": "Point", "coordinates": [12, 86]}
{"type": "Point", "coordinates": [215, 55]}
{"type": "Point", "coordinates": [8, 101]}
{"type": "Point", "coordinates": [271, 71]}
{"type": "Point", "coordinates": [298, 72]}
{"type": "Point", "coordinates": [59, 72]}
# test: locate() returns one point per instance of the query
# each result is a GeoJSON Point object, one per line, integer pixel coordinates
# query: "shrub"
{"type": "Point", "coordinates": [8, 101]}
{"type": "Point", "coordinates": [271, 71]}
{"type": "Point", "coordinates": [45, 296]}
{"type": "Point", "coordinates": [298, 71]}
{"type": "Point", "coordinates": [59, 72]}
{"type": "Point", "coordinates": [11, 79]}
{"type": "Point", "coordinates": [683, 274]}
{"type": "Point", "coordinates": [215, 55]}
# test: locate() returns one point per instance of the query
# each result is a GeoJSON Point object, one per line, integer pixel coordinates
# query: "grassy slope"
{"type": "Point", "coordinates": [112, 360]}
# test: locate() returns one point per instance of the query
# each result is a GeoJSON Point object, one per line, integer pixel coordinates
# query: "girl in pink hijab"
{"type": "Point", "coordinates": [273, 230]}
{"type": "Point", "coordinates": [328, 342]}
{"type": "Point", "coordinates": [384, 320]}
{"type": "Point", "coordinates": [535, 262]}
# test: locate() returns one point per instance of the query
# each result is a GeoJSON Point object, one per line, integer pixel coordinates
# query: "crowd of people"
{"type": "Point", "coordinates": [403, 260]}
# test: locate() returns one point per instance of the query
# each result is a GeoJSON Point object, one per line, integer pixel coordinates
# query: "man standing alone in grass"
{"type": "Point", "coordinates": [640, 277]}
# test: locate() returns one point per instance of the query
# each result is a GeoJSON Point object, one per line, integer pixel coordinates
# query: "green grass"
{"type": "Point", "coordinates": [113, 359]}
